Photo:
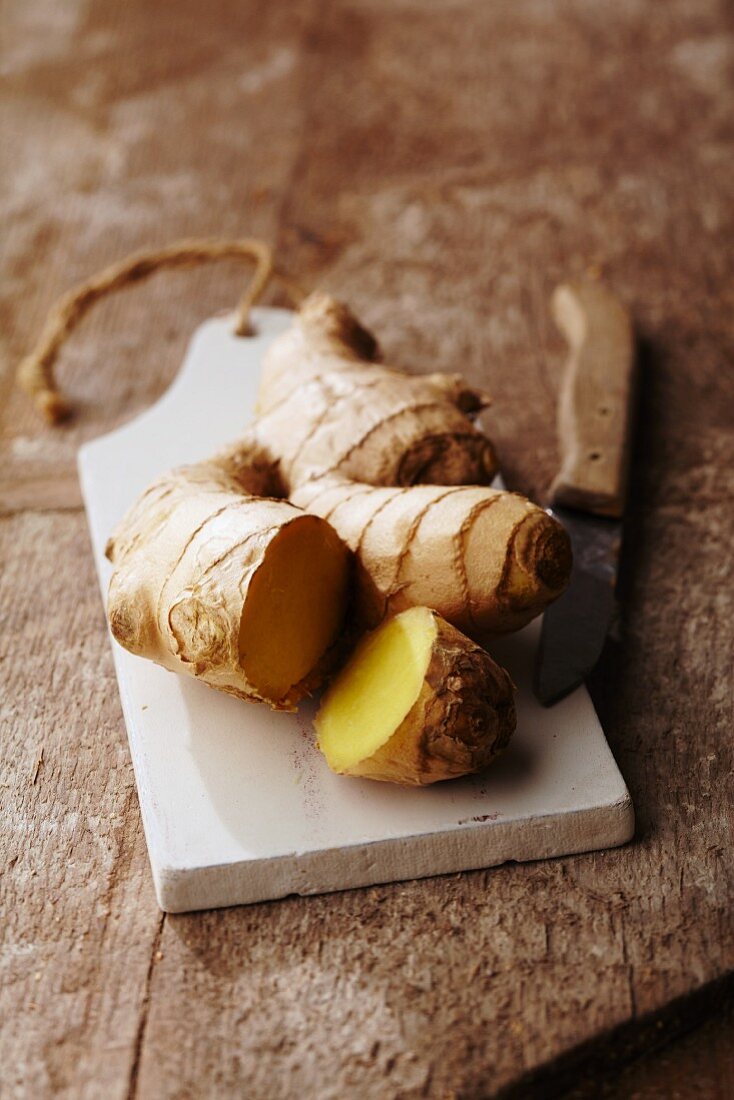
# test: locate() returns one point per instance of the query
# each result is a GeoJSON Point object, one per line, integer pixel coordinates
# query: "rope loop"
{"type": "Point", "coordinates": [35, 373]}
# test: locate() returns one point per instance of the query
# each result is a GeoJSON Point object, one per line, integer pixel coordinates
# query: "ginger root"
{"type": "Point", "coordinates": [246, 593]}
{"type": "Point", "coordinates": [416, 703]}
{"type": "Point", "coordinates": [215, 577]}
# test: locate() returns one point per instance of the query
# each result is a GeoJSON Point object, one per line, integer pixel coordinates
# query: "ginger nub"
{"type": "Point", "coordinates": [418, 702]}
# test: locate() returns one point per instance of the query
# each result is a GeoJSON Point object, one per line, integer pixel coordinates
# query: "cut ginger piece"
{"type": "Point", "coordinates": [416, 703]}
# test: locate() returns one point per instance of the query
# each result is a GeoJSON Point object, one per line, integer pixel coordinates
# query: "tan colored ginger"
{"type": "Point", "coordinates": [400, 471]}
{"type": "Point", "coordinates": [325, 407]}
{"type": "Point", "coordinates": [246, 593]}
{"type": "Point", "coordinates": [250, 594]}
{"type": "Point", "coordinates": [488, 561]}
{"type": "Point", "coordinates": [416, 703]}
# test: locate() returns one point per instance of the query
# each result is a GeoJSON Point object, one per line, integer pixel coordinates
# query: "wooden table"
{"type": "Point", "coordinates": [441, 166]}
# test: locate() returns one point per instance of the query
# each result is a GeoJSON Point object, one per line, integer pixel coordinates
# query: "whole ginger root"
{"type": "Point", "coordinates": [357, 488]}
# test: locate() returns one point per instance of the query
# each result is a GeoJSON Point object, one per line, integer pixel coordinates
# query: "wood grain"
{"type": "Point", "coordinates": [79, 921]}
{"type": "Point", "coordinates": [443, 167]}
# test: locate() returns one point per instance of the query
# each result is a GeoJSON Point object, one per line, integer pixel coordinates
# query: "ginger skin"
{"type": "Point", "coordinates": [326, 408]}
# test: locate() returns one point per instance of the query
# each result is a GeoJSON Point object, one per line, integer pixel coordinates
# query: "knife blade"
{"type": "Point", "coordinates": [588, 495]}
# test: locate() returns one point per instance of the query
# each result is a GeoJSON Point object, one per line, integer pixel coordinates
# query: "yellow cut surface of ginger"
{"type": "Point", "coordinates": [417, 703]}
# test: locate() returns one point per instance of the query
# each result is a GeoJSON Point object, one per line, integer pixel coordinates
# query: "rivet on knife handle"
{"type": "Point", "coordinates": [595, 403]}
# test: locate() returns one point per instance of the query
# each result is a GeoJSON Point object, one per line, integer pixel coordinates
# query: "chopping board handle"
{"type": "Point", "coordinates": [596, 398]}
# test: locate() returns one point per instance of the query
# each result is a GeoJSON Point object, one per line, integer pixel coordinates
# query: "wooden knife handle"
{"type": "Point", "coordinates": [595, 404]}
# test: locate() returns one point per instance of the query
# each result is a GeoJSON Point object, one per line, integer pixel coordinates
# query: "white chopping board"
{"type": "Point", "coordinates": [237, 803]}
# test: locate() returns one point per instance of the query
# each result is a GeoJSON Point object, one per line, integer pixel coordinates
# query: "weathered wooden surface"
{"type": "Point", "coordinates": [442, 166]}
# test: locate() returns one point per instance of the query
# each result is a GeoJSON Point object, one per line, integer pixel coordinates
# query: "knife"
{"type": "Point", "coordinates": [588, 495]}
